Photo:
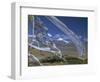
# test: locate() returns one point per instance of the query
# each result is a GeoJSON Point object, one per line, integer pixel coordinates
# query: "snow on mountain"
{"type": "Point", "coordinates": [42, 49]}
{"type": "Point", "coordinates": [61, 39]}
{"type": "Point", "coordinates": [49, 35]}
{"type": "Point", "coordinates": [66, 41]}
{"type": "Point", "coordinates": [61, 36]}
{"type": "Point", "coordinates": [65, 37]}
{"type": "Point", "coordinates": [56, 36]}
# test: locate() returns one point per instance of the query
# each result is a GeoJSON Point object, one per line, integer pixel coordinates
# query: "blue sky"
{"type": "Point", "coordinates": [78, 25]}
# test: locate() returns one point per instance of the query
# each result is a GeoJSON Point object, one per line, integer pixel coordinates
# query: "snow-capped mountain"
{"type": "Point", "coordinates": [61, 39]}
{"type": "Point", "coordinates": [50, 35]}
{"type": "Point", "coordinates": [45, 38]}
